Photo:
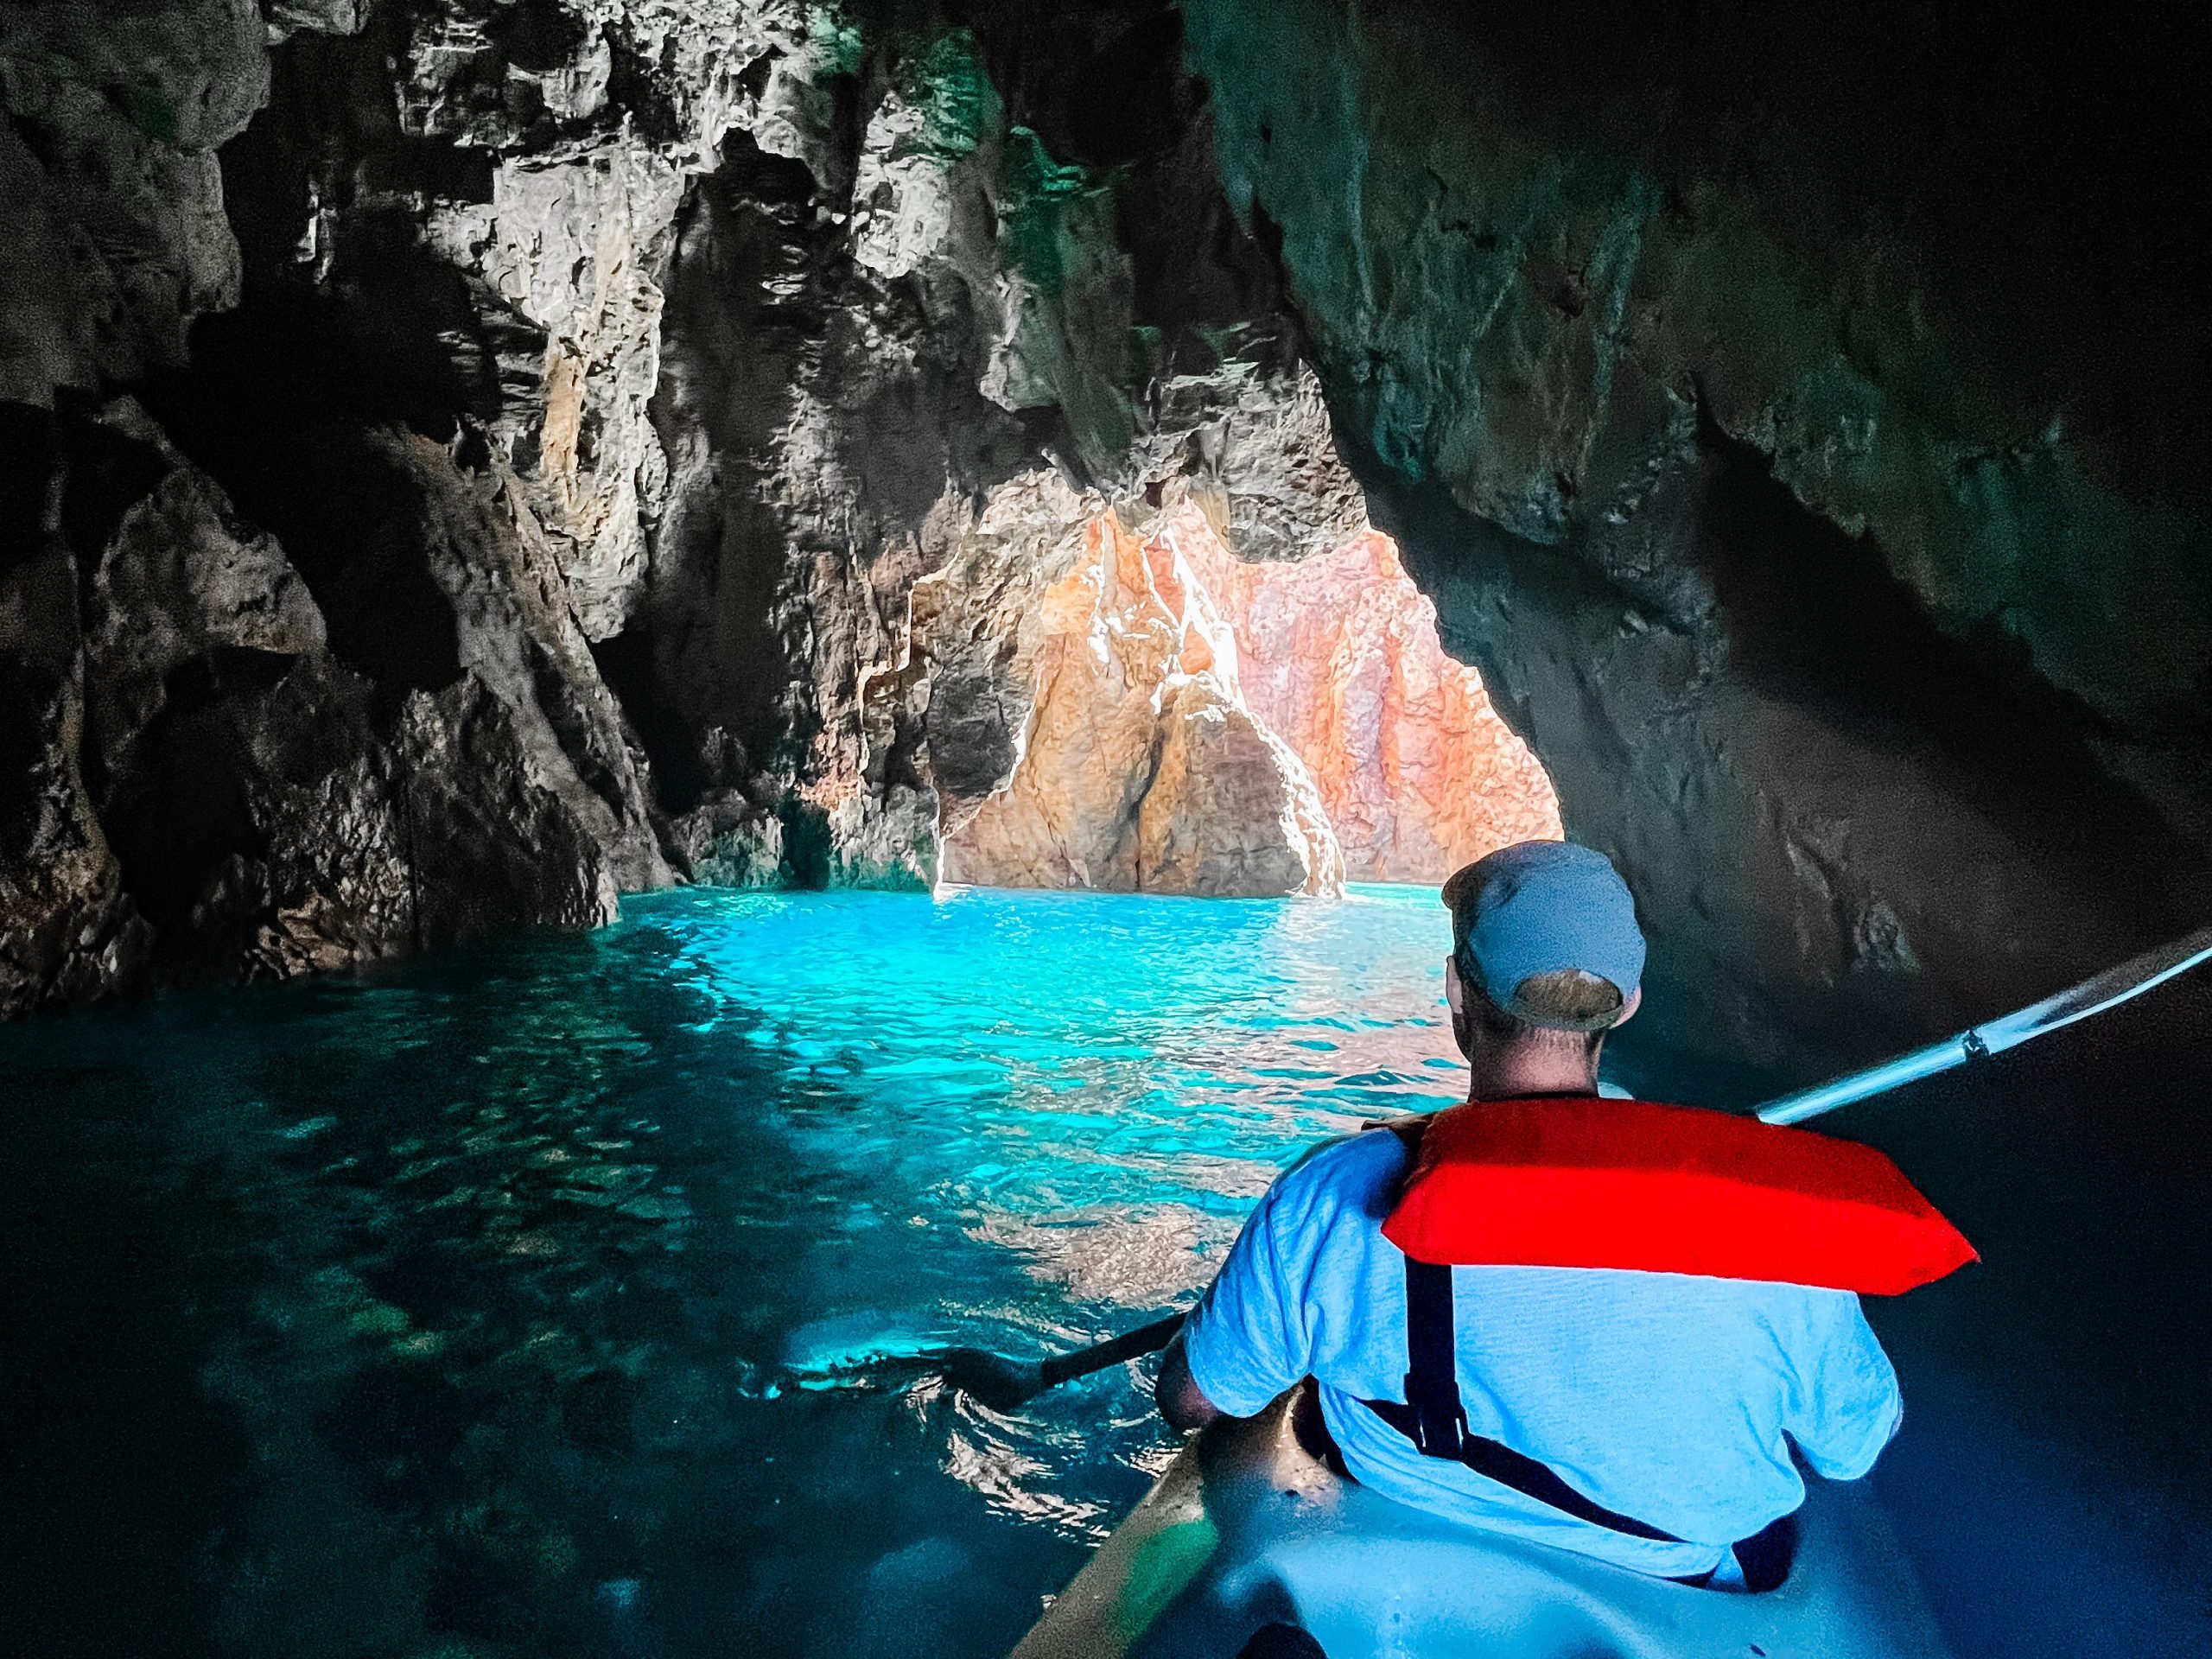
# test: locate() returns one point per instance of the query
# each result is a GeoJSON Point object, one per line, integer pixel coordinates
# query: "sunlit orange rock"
{"type": "Point", "coordinates": [1340, 655]}
{"type": "Point", "coordinates": [1141, 768]}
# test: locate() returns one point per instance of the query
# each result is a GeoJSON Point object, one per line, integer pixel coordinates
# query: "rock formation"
{"type": "Point", "coordinates": [542, 413]}
{"type": "Point", "coordinates": [1338, 654]}
{"type": "Point", "coordinates": [1134, 764]}
{"type": "Point", "coordinates": [870, 329]}
{"type": "Point", "coordinates": [1801, 424]}
{"type": "Point", "coordinates": [300, 673]}
{"type": "Point", "coordinates": [218, 791]}
{"type": "Point", "coordinates": [1063, 650]}
{"type": "Point", "coordinates": [1795, 416]}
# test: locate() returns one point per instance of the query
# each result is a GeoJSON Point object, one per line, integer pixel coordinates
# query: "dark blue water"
{"type": "Point", "coordinates": [522, 1301]}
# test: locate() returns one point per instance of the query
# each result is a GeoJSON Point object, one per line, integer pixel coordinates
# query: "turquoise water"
{"type": "Point", "coordinates": [536, 1299]}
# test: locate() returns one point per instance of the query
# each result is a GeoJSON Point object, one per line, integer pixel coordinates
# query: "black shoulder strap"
{"type": "Point", "coordinates": [1440, 1417]}
{"type": "Point", "coordinates": [1435, 1420]}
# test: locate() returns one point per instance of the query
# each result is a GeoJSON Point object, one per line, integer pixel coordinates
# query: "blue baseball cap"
{"type": "Point", "coordinates": [1539, 907]}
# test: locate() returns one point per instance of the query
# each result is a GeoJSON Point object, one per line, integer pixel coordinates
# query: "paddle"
{"type": "Point", "coordinates": [1003, 1384]}
{"type": "Point", "coordinates": [2107, 990]}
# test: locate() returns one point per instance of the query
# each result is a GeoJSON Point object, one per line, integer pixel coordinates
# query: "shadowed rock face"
{"type": "Point", "coordinates": [1798, 415]}
{"type": "Point", "coordinates": [218, 791]}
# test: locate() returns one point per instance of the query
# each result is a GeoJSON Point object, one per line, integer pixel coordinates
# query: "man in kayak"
{"type": "Point", "coordinates": [1645, 1418]}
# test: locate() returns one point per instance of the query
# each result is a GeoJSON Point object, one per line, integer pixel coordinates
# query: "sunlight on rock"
{"type": "Point", "coordinates": [1340, 655]}
{"type": "Point", "coordinates": [1141, 768]}
{"type": "Point", "coordinates": [1195, 723]}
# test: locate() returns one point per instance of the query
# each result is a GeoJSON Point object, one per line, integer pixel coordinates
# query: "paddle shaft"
{"type": "Point", "coordinates": [2092, 996]}
{"type": "Point", "coordinates": [1130, 1345]}
{"type": "Point", "coordinates": [2108, 990]}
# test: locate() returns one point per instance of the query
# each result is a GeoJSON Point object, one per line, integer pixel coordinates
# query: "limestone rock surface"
{"type": "Point", "coordinates": [1137, 768]}
{"type": "Point", "coordinates": [1230, 811]}
{"type": "Point", "coordinates": [873, 328]}
{"type": "Point", "coordinates": [221, 793]}
{"type": "Point", "coordinates": [67, 930]}
{"type": "Point", "coordinates": [1338, 655]}
{"type": "Point", "coordinates": [118, 236]}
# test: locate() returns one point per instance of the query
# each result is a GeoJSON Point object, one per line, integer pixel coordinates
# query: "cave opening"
{"type": "Point", "coordinates": [1172, 718]}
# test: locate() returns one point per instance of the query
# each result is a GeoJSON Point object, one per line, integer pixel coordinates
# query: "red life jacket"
{"type": "Point", "coordinates": [1591, 1183]}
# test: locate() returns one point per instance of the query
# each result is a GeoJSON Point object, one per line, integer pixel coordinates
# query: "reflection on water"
{"type": "Point", "coordinates": [522, 1301]}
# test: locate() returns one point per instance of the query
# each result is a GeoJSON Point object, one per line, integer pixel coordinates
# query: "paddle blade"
{"type": "Point", "coordinates": [992, 1379]}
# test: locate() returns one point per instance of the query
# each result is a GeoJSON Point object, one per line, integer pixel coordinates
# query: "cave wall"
{"type": "Point", "coordinates": [961, 260]}
{"type": "Point", "coordinates": [469, 458]}
{"type": "Point", "coordinates": [1799, 416]}
{"type": "Point", "coordinates": [289, 682]}
{"type": "Point", "coordinates": [1088, 725]}
{"type": "Point", "coordinates": [1339, 653]}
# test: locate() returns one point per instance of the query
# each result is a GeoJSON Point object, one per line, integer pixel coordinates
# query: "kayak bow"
{"type": "Point", "coordinates": [1250, 1528]}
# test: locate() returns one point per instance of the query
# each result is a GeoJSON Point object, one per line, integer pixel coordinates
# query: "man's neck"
{"type": "Point", "coordinates": [1523, 1077]}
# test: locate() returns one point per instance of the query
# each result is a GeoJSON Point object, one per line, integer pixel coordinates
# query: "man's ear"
{"type": "Point", "coordinates": [1455, 994]}
{"type": "Point", "coordinates": [1634, 1001]}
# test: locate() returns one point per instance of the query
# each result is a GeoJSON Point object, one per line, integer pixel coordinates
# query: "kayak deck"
{"type": "Point", "coordinates": [1249, 1527]}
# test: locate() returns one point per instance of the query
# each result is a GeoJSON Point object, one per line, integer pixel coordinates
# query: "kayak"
{"type": "Point", "coordinates": [1250, 1528]}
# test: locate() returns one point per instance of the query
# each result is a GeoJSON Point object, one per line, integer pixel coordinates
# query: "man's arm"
{"type": "Point", "coordinates": [1246, 1338]}
{"type": "Point", "coordinates": [1852, 1405]}
{"type": "Point", "coordinates": [1178, 1396]}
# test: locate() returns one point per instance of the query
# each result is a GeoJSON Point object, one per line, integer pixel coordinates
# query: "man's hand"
{"type": "Point", "coordinates": [1180, 1400]}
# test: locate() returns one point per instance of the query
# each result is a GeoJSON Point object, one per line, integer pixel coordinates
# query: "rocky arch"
{"type": "Point", "coordinates": [1752, 394]}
